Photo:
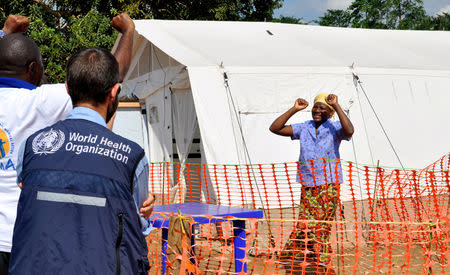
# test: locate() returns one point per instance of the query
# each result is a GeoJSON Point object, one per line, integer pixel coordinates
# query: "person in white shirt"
{"type": "Point", "coordinates": [27, 107]}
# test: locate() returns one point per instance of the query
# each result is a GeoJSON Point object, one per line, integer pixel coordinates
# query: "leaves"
{"type": "Point", "coordinates": [336, 18]}
{"type": "Point", "coordinates": [289, 20]}
{"type": "Point", "coordinates": [63, 27]}
{"type": "Point", "coordinates": [230, 10]}
{"type": "Point", "coordinates": [368, 13]}
{"type": "Point", "coordinates": [385, 14]}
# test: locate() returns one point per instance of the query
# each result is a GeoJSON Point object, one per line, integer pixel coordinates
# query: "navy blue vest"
{"type": "Point", "coordinates": [76, 213]}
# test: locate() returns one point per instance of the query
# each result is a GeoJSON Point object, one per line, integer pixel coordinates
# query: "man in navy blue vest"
{"type": "Point", "coordinates": [27, 106]}
{"type": "Point", "coordinates": [82, 184]}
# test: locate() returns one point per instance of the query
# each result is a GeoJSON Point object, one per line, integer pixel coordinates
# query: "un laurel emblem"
{"type": "Point", "coordinates": [48, 142]}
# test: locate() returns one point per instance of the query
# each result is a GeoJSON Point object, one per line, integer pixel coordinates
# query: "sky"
{"type": "Point", "coordinates": [311, 9]}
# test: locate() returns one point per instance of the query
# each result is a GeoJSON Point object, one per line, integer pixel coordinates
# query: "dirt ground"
{"type": "Point", "coordinates": [359, 246]}
{"type": "Point", "coordinates": [216, 257]}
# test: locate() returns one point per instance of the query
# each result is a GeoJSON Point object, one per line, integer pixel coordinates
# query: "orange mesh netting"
{"type": "Point", "coordinates": [379, 220]}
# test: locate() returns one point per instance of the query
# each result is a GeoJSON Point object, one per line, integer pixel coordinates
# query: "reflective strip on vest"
{"type": "Point", "coordinates": [71, 198]}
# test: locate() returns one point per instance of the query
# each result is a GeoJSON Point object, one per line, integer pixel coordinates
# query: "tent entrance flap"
{"type": "Point", "coordinates": [185, 124]}
{"type": "Point", "coordinates": [159, 119]}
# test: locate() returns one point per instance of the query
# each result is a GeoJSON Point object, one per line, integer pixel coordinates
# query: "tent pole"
{"type": "Point", "coordinates": [227, 88]}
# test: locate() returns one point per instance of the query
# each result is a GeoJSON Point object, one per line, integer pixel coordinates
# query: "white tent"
{"type": "Point", "coordinates": [131, 123]}
{"type": "Point", "coordinates": [232, 79]}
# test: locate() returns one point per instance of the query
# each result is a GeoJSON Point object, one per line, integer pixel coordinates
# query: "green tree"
{"type": "Point", "coordinates": [62, 27]}
{"type": "Point", "coordinates": [336, 18]}
{"type": "Point", "coordinates": [405, 14]}
{"type": "Point", "coordinates": [439, 22]}
{"type": "Point", "coordinates": [368, 14]}
{"type": "Point", "coordinates": [385, 14]}
{"type": "Point", "coordinates": [61, 30]}
{"type": "Point", "coordinates": [288, 20]}
{"type": "Point", "coordinates": [248, 10]}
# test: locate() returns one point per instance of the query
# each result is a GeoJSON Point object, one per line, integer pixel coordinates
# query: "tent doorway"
{"type": "Point", "coordinates": [190, 169]}
{"type": "Point", "coordinates": [186, 148]}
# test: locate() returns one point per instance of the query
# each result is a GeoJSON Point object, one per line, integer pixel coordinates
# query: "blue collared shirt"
{"type": "Point", "coordinates": [319, 153]}
{"type": "Point", "coordinates": [140, 180]}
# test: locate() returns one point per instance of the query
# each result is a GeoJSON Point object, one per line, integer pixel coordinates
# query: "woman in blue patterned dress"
{"type": "Point", "coordinates": [319, 172]}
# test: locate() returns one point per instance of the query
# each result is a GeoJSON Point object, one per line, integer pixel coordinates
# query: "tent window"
{"type": "Point", "coordinates": [153, 115]}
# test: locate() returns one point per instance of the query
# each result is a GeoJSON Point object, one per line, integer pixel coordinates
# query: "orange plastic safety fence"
{"type": "Point", "coordinates": [369, 220]}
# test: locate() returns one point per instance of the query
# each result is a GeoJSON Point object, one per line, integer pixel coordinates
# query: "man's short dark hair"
{"type": "Point", "coordinates": [91, 73]}
{"type": "Point", "coordinates": [17, 52]}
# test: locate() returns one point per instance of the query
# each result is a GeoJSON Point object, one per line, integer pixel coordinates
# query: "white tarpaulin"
{"type": "Point", "coordinates": [245, 74]}
{"type": "Point", "coordinates": [130, 124]}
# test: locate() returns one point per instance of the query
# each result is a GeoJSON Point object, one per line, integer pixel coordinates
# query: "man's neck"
{"type": "Point", "coordinates": [100, 108]}
{"type": "Point", "coordinates": [17, 76]}
{"type": "Point", "coordinates": [15, 82]}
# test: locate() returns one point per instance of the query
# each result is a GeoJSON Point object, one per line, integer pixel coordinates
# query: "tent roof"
{"type": "Point", "coordinates": [211, 43]}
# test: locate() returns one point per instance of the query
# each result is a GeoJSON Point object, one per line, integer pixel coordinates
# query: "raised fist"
{"type": "Point", "coordinates": [16, 23]}
{"type": "Point", "coordinates": [300, 104]}
{"type": "Point", "coordinates": [332, 100]}
{"type": "Point", "coordinates": [122, 23]}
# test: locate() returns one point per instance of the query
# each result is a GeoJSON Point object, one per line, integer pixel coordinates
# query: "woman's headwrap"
{"type": "Point", "coordinates": [321, 98]}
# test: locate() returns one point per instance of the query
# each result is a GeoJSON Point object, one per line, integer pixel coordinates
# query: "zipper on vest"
{"type": "Point", "coordinates": [118, 241]}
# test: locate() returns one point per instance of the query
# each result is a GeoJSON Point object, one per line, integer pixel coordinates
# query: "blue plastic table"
{"type": "Point", "coordinates": [160, 220]}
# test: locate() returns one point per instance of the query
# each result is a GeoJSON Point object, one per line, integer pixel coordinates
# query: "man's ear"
{"type": "Point", "coordinates": [34, 72]}
{"type": "Point", "coordinates": [115, 90]}
{"type": "Point", "coordinates": [67, 88]}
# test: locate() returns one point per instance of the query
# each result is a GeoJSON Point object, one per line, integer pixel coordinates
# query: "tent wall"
{"type": "Point", "coordinates": [215, 117]}
{"type": "Point", "coordinates": [264, 94]}
{"type": "Point", "coordinates": [267, 71]}
{"type": "Point", "coordinates": [408, 104]}
{"type": "Point", "coordinates": [411, 109]}
{"type": "Point", "coordinates": [404, 77]}
{"type": "Point", "coordinates": [260, 44]}
{"type": "Point", "coordinates": [150, 73]}
{"type": "Point", "coordinates": [160, 126]}
{"type": "Point", "coordinates": [131, 124]}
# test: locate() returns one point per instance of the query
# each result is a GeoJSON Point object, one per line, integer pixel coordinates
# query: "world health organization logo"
{"type": "Point", "coordinates": [48, 142]}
